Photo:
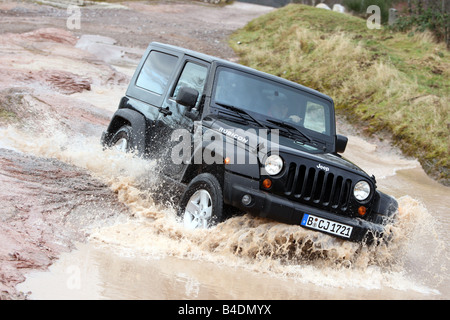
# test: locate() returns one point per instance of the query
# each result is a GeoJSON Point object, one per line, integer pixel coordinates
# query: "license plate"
{"type": "Point", "coordinates": [325, 225]}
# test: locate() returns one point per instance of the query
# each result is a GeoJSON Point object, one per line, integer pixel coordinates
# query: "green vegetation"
{"type": "Point", "coordinates": [432, 15]}
{"type": "Point", "coordinates": [385, 81]}
{"type": "Point", "coordinates": [8, 101]}
{"type": "Point", "coordinates": [6, 116]}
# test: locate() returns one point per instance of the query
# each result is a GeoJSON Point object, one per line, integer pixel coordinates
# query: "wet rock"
{"type": "Point", "coordinates": [63, 81]}
{"type": "Point", "coordinates": [51, 34]}
{"type": "Point", "coordinates": [47, 207]}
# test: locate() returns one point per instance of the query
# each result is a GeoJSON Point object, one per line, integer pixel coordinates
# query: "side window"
{"type": "Point", "coordinates": [193, 76]}
{"type": "Point", "coordinates": [156, 72]}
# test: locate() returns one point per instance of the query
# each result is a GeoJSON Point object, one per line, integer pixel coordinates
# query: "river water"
{"type": "Point", "coordinates": [151, 256]}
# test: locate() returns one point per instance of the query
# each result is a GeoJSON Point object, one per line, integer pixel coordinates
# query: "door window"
{"type": "Point", "coordinates": [193, 76]}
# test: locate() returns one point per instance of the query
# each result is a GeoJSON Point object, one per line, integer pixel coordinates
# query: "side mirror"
{"type": "Point", "coordinates": [341, 143]}
{"type": "Point", "coordinates": [187, 97]}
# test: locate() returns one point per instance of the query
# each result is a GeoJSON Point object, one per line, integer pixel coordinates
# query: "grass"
{"type": "Point", "coordinates": [7, 116]}
{"type": "Point", "coordinates": [382, 80]}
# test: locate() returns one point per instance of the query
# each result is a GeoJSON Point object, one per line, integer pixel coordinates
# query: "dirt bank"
{"type": "Point", "coordinates": [50, 79]}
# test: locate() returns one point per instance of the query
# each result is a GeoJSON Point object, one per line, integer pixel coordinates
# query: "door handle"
{"type": "Point", "coordinates": [165, 111]}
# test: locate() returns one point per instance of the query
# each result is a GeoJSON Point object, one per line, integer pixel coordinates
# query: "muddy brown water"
{"type": "Point", "coordinates": [118, 243]}
{"type": "Point", "coordinates": [151, 256]}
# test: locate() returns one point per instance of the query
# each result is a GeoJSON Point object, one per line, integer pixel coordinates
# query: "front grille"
{"type": "Point", "coordinates": [318, 188]}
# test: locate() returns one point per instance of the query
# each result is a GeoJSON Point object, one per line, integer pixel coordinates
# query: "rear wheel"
{"type": "Point", "coordinates": [121, 140]}
{"type": "Point", "coordinates": [201, 205]}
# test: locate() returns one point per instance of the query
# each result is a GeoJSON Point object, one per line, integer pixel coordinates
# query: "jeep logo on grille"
{"type": "Point", "coordinates": [319, 166]}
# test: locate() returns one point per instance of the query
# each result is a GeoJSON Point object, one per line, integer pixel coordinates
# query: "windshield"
{"type": "Point", "coordinates": [272, 100]}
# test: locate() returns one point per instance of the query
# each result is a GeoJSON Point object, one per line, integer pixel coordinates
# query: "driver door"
{"type": "Point", "coordinates": [193, 74]}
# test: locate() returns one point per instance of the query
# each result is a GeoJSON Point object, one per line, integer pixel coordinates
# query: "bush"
{"type": "Point", "coordinates": [433, 15]}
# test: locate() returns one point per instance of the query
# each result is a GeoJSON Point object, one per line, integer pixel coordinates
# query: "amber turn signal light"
{"type": "Point", "coordinates": [362, 210]}
{"type": "Point", "coordinates": [267, 183]}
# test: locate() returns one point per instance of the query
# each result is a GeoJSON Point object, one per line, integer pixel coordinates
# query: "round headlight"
{"type": "Point", "coordinates": [361, 190]}
{"type": "Point", "coordinates": [273, 165]}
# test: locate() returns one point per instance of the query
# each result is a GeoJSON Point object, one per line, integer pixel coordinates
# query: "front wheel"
{"type": "Point", "coordinates": [201, 205]}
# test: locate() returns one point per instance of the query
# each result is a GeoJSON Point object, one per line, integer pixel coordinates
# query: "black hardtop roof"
{"type": "Point", "coordinates": [230, 64]}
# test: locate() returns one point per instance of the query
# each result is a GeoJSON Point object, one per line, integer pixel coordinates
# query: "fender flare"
{"type": "Point", "coordinates": [138, 124]}
{"type": "Point", "coordinates": [385, 208]}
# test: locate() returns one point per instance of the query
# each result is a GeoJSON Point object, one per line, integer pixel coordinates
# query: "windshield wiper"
{"type": "Point", "coordinates": [291, 128]}
{"type": "Point", "coordinates": [240, 112]}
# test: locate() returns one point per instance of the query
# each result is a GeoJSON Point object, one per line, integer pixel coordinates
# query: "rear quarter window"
{"type": "Point", "coordinates": [156, 72]}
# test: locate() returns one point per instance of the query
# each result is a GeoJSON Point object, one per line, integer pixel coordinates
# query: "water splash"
{"type": "Point", "coordinates": [255, 244]}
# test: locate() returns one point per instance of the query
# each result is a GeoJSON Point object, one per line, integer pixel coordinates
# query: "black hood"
{"type": "Point", "coordinates": [230, 126]}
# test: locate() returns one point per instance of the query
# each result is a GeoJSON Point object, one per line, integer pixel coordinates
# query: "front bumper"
{"type": "Point", "coordinates": [274, 207]}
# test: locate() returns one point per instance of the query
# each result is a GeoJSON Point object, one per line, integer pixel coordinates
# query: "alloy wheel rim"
{"type": "Point", "coordinates": [121, 145]}
{"type": "Point", "coordinates": [198, 210]}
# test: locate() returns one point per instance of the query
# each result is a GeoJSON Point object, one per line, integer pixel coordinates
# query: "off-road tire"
{"type": "Point", "coordinates": [201, 185]}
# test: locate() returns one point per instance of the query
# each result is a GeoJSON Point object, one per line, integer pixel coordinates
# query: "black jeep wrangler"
{"type": "Point", "coordinates": [234, 137]}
